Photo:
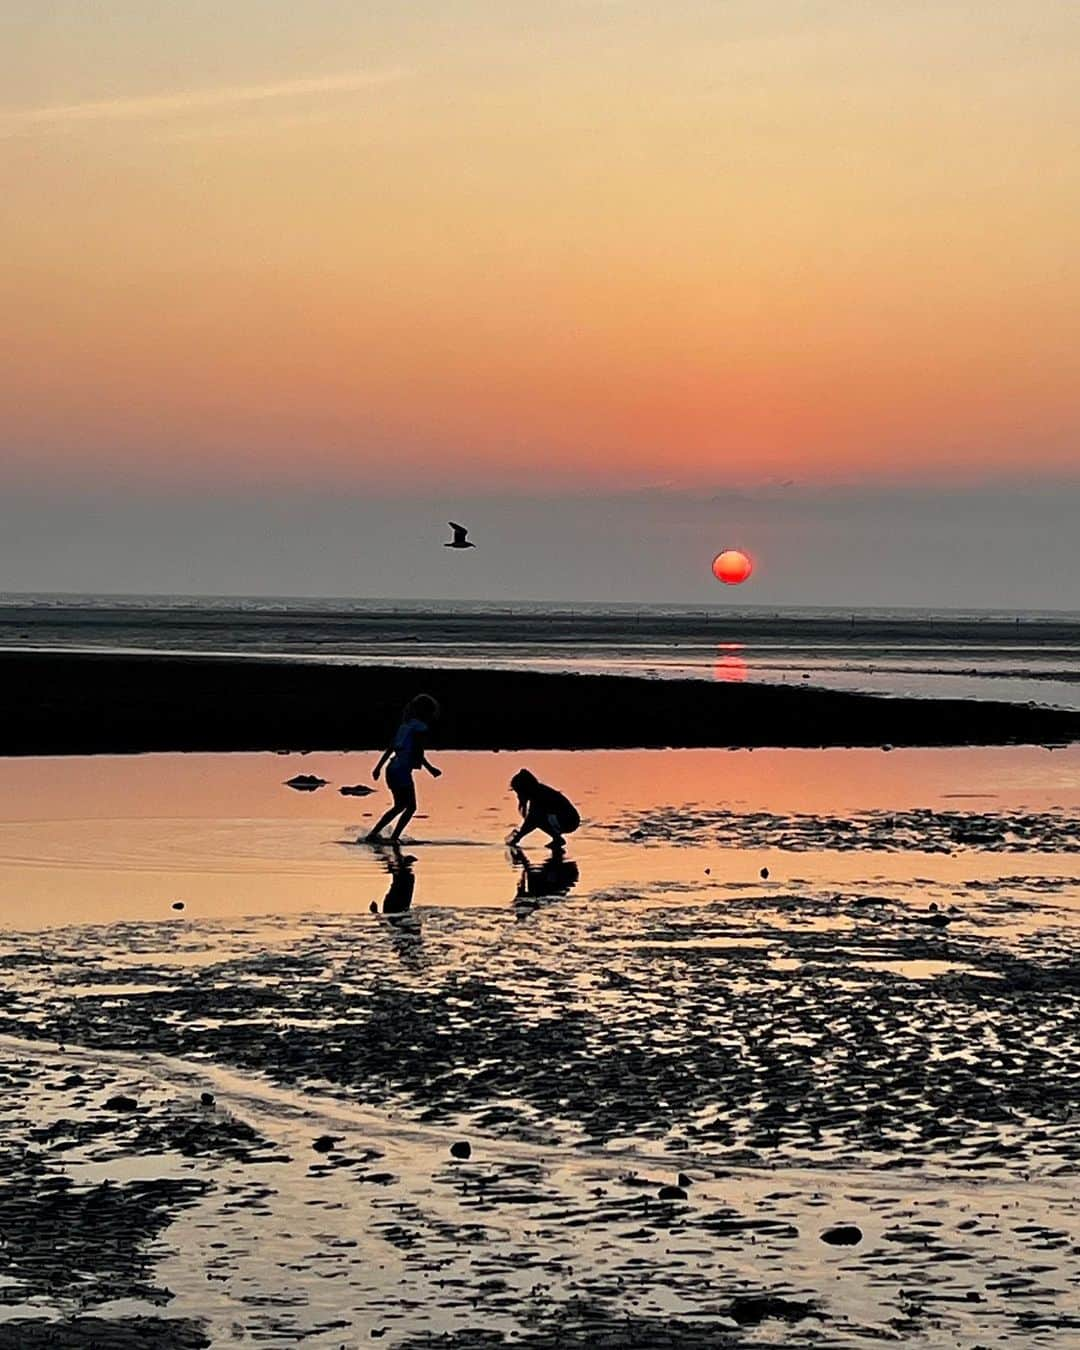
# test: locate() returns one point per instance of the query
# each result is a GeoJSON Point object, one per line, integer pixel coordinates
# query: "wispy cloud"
{"type": "Point", "coordinates": [149, 106]}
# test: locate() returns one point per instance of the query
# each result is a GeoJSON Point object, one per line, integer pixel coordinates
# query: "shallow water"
{"type": "Point", "coordinates": [873, 1034]}
{"type": "Point", "coordinates": [107, 838]}
{"type": "Point", "coordinates": [1029, 657]}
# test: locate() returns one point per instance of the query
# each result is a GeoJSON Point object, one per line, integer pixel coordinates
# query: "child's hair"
{"type": "Point", "coordinates": [423, 707]}
{"type": "Point", "coordinates": [524, 784]}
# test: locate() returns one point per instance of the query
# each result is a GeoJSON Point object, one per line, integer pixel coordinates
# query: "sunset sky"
{"type": "Point", "coordinates": [519, 258]}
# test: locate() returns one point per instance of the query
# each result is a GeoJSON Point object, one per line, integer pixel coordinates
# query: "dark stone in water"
{"type": "Point", "coordinates": [750, 1309]}
{"type": "Point", "coordinates": [842, 1235]}
{"type": "Point", "coordinates": [356, 790]}
{"type": "Point", "coordinates": [121, 1103]}
{"type": "Point", "coordinates": [325, 1142]}
{"type": "Point", "coordinates": [306, 782]}
{"type": "Point", "coordinates": [672, 1193]}
{"type": "Point", "coordinates": [462, 1149]}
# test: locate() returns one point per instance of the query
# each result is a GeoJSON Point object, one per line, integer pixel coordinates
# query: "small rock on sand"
{"type": "Point", "coordinates": [462, 1149]}
{"type": "Point", "coordinates": [764, 874]}
{"type": "Point", "coordinates": [121, 1103]}
{"type": "Point", "coordinates": [672, 1193]}
{"type": "Point", "coordinates": [178, 904]}
{"type": "Point", "coordinates": [207, 1098]}
{"type": "Point", "coordinates": [305, 782]}
{"type": "Point", "coordinates": [842, 1235]}
{"type": "Point", "coordinates": [684, 1180]}
{"type": "Point", "coordinates": [325, 1142]}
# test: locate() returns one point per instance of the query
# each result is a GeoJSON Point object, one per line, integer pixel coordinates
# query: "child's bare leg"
{"type": "Point", "coordinates": [551, 826]}
{"type": "Point", "coordinates": [405, 801]}
{"type": "Point", "coordinates": [406, 815]}
{"type": "Point", "coordinates": [384, 820]}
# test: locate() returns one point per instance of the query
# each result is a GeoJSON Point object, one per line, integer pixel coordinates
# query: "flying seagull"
{"type": "Point", "coordinates": [461, 537]}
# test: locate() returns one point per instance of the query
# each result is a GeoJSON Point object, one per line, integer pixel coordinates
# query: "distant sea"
{"type": "Point", "coordinates": [1032, 657]}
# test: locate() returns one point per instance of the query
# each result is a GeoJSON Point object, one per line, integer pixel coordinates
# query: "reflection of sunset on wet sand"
{"type": "Point", "coordinates": [126, 837]}
{"type": "Point", "coordinates": [731, 667]}
{"type": "Point", "coordinates": [754, 987]}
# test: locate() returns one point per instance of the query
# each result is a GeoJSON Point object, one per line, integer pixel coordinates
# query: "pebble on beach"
{"type": "Point", "coordinates": [842, 1235]}
{"type": "Point", "coordinates": [121, 1103]}
{"type": "Point", "coordinates": [325, 1142]}
{"type": "Point", "coordinates": [672, 1193]}
{"type": "Point", "coordinates": [178, 904]}
{"type": "Point", "coordinates": [462, 1149]}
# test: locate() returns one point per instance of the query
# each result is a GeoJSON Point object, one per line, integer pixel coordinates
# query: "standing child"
{"type": "Point", "coordinates": [406, 755]}
{"type": "Point", "coordinates": [542, 808]}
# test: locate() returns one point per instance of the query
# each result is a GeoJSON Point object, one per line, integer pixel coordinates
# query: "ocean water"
{"type": "Point", "coordinates": [1032, 657]}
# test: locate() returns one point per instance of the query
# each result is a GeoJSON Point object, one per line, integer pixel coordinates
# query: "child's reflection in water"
{"type": "Point", "coordinates": [397, 902]}
{"type": "Point", "coordinates": [556, 875]}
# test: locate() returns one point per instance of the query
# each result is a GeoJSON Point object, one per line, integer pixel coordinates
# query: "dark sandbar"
{"type": "Point", "coordinates": [86, 703]}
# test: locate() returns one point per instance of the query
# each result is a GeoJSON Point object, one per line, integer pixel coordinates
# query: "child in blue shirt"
{"type": "Point", "coordinates": [406, 754]}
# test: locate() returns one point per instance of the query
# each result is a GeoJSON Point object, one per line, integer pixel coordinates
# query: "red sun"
{"type": "Point", "coordinates": [731, 567]}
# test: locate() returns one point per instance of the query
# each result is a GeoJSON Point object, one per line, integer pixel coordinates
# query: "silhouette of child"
{"type": "Point", "coordinates": [542, 808]}
{"type": "Point", "coordinates": [406, 754]}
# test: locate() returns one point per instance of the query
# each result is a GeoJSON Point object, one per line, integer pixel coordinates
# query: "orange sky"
{"type": "Point", "coordinates": [495, 243]}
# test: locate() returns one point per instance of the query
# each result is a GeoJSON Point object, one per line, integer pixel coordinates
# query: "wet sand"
{"type": "Point", "coordinates": [680, 1081]}
{"type": "Point", "coordinates": [95, 703]}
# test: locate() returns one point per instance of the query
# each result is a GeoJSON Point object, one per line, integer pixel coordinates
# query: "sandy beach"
{"type": "Point", "coordinates": [783, 1052]}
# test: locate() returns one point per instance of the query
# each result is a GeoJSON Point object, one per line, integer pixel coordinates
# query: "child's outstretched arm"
{"type": "Point", "coordinates": [526, 827]}
{"type": "Point", "coordinates": [379, 767]}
